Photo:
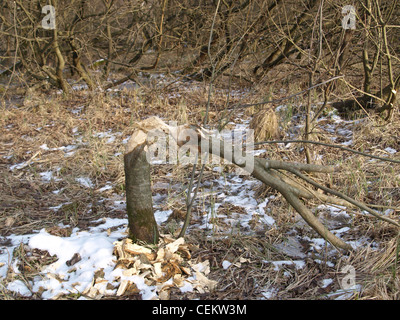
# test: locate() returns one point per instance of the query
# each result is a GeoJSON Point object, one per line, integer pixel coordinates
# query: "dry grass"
{"type": "Point", "coordinates": [46, 118]}
{"type": "Point", "coordinates": [265, 125]}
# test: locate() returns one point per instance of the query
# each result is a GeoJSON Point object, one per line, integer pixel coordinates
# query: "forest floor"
{"type": "Point", "coordinates": [62, 203]}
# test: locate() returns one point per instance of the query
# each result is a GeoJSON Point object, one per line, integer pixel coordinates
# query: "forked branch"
{"type": "Point", "coordinates": [270, 172]}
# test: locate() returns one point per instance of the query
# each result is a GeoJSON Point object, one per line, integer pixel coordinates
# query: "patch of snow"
{"type": "Point", "coordinates": [345, 294]}
{"type": "Point", "coordinates": [69, 150]}
{"type": "Point", "coordinates": [326, 282]}
{"type": "Point", "coordinates": [79, 87]}
{"type": "Point", "coordinates": [341, 230]}
{"type": "Point", "coordinates": [119, 205]}
{"type": "Point", "coordinates": [19, 165]}
{"type": "Point", "coordinates": [269, 293]}
{"type": "Point", "coordinates": [85, 181]}
{"type": "Point", "coordinates": [107, 223]}
{"type": "Point", "coordinates": [6, 252]}
{"type": "Point", "coordinates": [46, 176]}
{"type": "Point", "coordinates": [108, 134]}
{"type": "Point", "coordinates": [19, 287]}
{"type": "Point", "coordinates": [318, 243]}
{"type": "Point", "coordinates": [291, 247]}
{"type": "Point", "coordinates": [95, 248]}
{"type": "Point", "coordinates": [299, 264]}
{"type": "Point", "coordinates": [58, 191]}
{"type": "Point", "coordinates": [162, 216]}
{"type": "Point", "coordinates": [390, 150]}
{"type": "Point", "coordinates": [105, 188]}
{"type": "Point", "coordinates": [56, 208]}
{"type": "Point", "coordinates": [347, 143]}
{"type": "Point", "coordinates": [328, 263]}
{"type": "Point", "coordinates": [226, 264]}
{"type": "Point", "coordinates": [187, 287]}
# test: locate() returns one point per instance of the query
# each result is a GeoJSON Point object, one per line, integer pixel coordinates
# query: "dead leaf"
{"type": "Point", "coordinates": [167, 239]}
{"type": "Point", "coordinates": [131, 289]}
{"type": "Point", "coordinates": [59, 231]}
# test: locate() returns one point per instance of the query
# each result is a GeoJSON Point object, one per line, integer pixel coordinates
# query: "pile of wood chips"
{"type": "Point", "coordinates": [162, 267]}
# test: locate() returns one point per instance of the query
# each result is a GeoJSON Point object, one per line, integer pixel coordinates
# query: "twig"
{"type": "Point", "coordinates": [248, 105]}
{"type": "Point", "coordinates": [205, 120]}
{"type": "Point", "coordinates": [190, 199]}
{"type": "Point", "coordinates": [328, 145]}
{"type": "Point", "coordinates": [16, 52]}
{"type": "Point", "coordinates": [343, 196]}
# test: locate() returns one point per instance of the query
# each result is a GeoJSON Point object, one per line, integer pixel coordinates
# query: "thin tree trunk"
{"type": "Point", "coordinates": [142, 224]}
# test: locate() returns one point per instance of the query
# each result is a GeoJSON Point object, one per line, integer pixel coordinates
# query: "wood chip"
{"type": "Point", "coordinates": [165, 267]}
{"type": "Point", "coordinates": [204, 282]}
{"type": "Point", "coordinates": [173, 247]}
{"type": "Point", "coordinates": [134, 248]}
{"type": "Point", "coordinates": [122, 287]}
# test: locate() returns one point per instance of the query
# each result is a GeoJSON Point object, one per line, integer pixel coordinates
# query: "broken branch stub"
{"type": "Point", "coordinates": [267, 171]}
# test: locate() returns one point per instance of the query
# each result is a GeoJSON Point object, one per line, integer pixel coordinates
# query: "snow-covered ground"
{"type": "Point", "coordinates": [95, 246]}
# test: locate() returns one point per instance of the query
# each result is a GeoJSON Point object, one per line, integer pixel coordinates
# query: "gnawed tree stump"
{"type": "Point", "coordinates": [139, 202]}
{"type": "Point", "coordinates": [141, 219]}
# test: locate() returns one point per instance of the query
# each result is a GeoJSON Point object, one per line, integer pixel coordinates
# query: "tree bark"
{"type": "Point", "coordinates": [139, 203]}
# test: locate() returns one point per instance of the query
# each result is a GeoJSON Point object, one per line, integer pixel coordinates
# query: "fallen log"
{"type": "Point", "coordinates": [267, 171]}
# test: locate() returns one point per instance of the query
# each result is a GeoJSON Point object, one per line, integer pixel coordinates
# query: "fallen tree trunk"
{"type": "Point", "coordinates": [381, 101]}
{"type": "Point", "coordinates": [267, 171]}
